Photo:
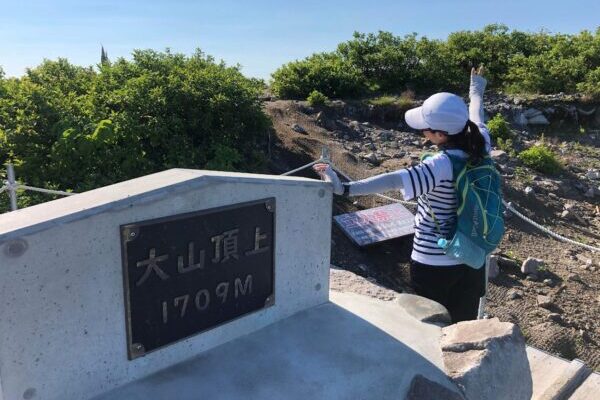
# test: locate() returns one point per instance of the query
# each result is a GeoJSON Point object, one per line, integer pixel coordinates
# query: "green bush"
{"type": "Point", "coordinates": [324, 72]}
{"type": "Point", "coordinates": [506, 145]}
{"type": "Point", "coordinates": [541, 158]}
{"type": "Point", "coordinates": [591, 85]}
{"type": "Point", "coordinates": [498, 127]}
{"type": "Point", "coordinates": [383, 63]}
{"type": "Point", "coordinates": [316, 98]}
{"type": "Point", "coordinates": [79, 128]}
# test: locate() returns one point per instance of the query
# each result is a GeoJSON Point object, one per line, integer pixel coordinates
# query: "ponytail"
{"type": "Point", "coordinates": [470, 140]}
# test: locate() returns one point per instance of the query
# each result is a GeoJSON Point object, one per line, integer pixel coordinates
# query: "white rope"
{"type": "Point", "coordinates": [47, 191]}
{"type": "Point", "coordinates": [546, 230]}
{"type": "Point", "coordinates": [302, 167]}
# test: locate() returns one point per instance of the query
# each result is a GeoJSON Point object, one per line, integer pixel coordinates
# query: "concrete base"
{"type": "Point", "coordinates": [353, 347]}
{"type": "Point", "coordinates": [555, 378]}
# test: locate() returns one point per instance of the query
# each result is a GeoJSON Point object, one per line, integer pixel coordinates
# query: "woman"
{"type": "Point", "coordinates": [445, 121]}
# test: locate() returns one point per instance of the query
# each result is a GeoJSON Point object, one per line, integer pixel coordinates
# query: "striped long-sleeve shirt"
{"type": "Point", "coordinates": [432, 184]}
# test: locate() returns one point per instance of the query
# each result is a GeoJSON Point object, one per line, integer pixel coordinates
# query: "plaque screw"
{"type": "Point", "coordinates": [132, 234]}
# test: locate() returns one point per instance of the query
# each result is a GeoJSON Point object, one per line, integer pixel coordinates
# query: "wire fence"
{"type": "Point", "coordinates": [11, 186]}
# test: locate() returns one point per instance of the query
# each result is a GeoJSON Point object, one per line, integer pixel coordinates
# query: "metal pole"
{"type": "Point", "coordinates": [12, 184]}
{"type": "Point", "coordinates": [481, 310]}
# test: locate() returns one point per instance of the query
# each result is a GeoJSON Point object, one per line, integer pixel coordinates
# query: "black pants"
{"type": "Point", "coordinates": [458, 288]}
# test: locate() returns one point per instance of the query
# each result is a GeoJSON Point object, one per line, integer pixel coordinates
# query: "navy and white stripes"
{"type": "Point", "coordinates": [432, 184]}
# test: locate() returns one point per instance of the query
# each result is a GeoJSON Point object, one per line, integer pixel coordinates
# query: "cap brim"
{"type": "Point", "coordinates": [414, 118]}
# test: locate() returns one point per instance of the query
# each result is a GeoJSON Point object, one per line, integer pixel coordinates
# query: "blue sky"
{"type": "Point", "coordinates": [260, 35]}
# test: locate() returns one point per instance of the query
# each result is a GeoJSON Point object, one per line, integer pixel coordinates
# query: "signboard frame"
{"type": "Point", "coordinates": [259, 245]}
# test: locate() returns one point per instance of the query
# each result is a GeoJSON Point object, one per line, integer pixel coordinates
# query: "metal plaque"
{"type": "Point", "coordinates": [377, 224]}
{"type": "Point", "coordinates": [188, 273]}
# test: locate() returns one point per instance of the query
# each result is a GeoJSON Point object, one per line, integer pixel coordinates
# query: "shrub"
{"type": "Point", "coordinates": [327, 73]}
{"type": "Point", "coordinates": [79, 128]}
{"type": "Point", "coordinates": [541, 158]}
{"type": "Point", "coordinates": [316, 98]}
{"type": "Point", "coordinates": [498, 127]}
{"type": "Point", "coordinates": [506, 145]}
{"type": "Point", "coordinates": [591, 85]}
{"type": "Point", "coordinates": [516, 61]}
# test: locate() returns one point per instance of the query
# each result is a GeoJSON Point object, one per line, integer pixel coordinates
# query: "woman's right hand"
{"type": "Point", "coordinates": [478, 82]}
{"type": "Point", "coordinates": [328, 175]}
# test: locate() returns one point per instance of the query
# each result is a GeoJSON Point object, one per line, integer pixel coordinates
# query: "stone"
{"type": "Point", "coordinates": [573, 278]}
{"type": "Point", "coordinates": [531, 265]}
{"type": "Point", "coordinates": [355, 125]}
{"type": "Point", "coordinates": [493, 268]}
{"type": "Point", "coordinates": [532, 277]}
{"type": "Point", "coordinates": [68, 337]}
{"type": "Point", "coordinates": [422, 388]}
{"type": "Point", "coordinates": [299, 129]}
{"type": "Point", "coordinates": [371, 158]}
{"type": "Point", "coordinates": [548, 282]}
{"type": "Point", "coordinates": [514, 294]}
{"type": "Point", "coordinates": [554, 317]}
{"type": "Point", "coordinates": [507, 263]}
{"type": "Point", "coordinates": [544, 301]}
{"type": "Point", "coordinates": [485, 358]}
{"type": "Point", "coordinates": [593, 174]}
{"type": "Point", "coordinates": [423, 309]}
{"type": "Point", "coordinates": [370, 146]}
{"type": "Point", "coordinates": [499, 156]}
{"type": "Point", "coordinates": [538, 120]}
{"type": "Point", "coordinates": [529, 192]}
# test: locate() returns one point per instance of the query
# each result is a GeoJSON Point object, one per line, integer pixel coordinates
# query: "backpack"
{"type": "Point", "coordinates": [480, 223]}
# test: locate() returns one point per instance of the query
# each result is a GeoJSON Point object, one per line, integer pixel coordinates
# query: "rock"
{"type": "Point", "coordinates": [514, 294]}
{"type": "Point", "coordinates": [592, 192]}
{"type": "Point", "coordinates": [499, 156]}
{"type": "Point", "coordinates": [493, 269]}
{"type": "Point", "coordinates": [531, 265]}
{"type": "Point", "coordinates": [299, 129]}
{"type": "Point", "coordinates": [485, 358]}
{"type": "Point", "coordinates": [529, 192]}
{"type": "Point", "coordinates": [532, 277]}
{"type": "Point", "coordinates": [370, 146]}
{"type": "Point", "coordinates": [554, 317]}
{"type": "Point", "coordinates": [520, 119]}
{"type": "Point", "coordinates": [385, 135]}
{"type": "Point", "coordinates": [424, 310]}
{"type": "Point", "coordinates": [371, 158]}
{"type": "Point", "coordinates": [544, 301]}
{"type": "Point", "coordinates": [507, 263]}
{"type": "Point", "coordinates": [355, 125]}
{"type": "Point", "coordinates": [572, 215]}
{"type": "Point", "coordinates": [549, 282]}
{"type": "Point", "coordinates": [345, 281]}
{"type": "Point", "coordinates": [422, 388]}
{"type": "Point", "coordinates": [538, 120]}
{"type": "Point", "coordinates": [573, 278]}
{"type": "Point", "coordinates": [593, 174]}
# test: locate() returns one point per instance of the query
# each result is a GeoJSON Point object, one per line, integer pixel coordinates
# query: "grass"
{"type": "Point", "coordinates": [404, 101]}
{"type": "Point", "coordinates": [541, 158]}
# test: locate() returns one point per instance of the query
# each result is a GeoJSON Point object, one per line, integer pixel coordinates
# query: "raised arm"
{"type": "Point", "coordinates": [476, 89]}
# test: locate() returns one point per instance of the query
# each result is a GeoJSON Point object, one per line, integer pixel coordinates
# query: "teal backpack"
{"type": "Point", "coordinates": [480, 222]}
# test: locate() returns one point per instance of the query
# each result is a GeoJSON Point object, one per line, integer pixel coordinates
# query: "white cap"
{"type": "Point", "coordinates": [441, 112]}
